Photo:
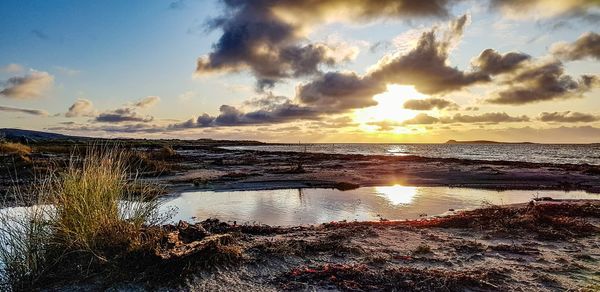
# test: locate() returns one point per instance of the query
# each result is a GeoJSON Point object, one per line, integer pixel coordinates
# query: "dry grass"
{"type": "Point", "coordinates": [14, 148]}
{"type": "Point", "coordinates": [93, 200]}
{"type": "Point", "coordinates": [90, 220]}
{"type": "Point", "coordinates": [19, 152]}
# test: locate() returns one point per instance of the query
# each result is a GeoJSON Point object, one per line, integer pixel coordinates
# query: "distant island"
{"type": "Point", "coordinates": [484, 142]}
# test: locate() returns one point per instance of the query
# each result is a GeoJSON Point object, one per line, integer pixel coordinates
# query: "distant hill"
{"type": "Point", "coordinates": [484, 142]}
{"type": "Point", "coordinates": [32, 136]}
{"type": "Point", "coordinates": [29, 136]}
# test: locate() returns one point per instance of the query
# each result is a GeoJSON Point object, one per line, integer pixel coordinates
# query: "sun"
{"type": "Point", "coordinates": [390, 107]}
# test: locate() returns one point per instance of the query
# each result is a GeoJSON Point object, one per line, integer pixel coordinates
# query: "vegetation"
{"type": "Point", "coordinates": [14, 148]}
{"type": "Point", "coordinates": [80, 219]}
{"type": "Point", "coordinates": [422, 249]}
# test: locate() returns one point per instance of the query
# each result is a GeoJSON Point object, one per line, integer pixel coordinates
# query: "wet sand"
{"type": "Point", "coordinates": [540, 246]}
{"type": "Point", "coordinates": [218, 169]}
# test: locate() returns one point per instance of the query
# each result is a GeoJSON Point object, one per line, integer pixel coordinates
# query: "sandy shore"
{"type": "Point", "coordinates": [242, 170]}
{"type": "Point", "coordinates": [540, 246]}
{"type": "Point", "coordinates": [201, 166]}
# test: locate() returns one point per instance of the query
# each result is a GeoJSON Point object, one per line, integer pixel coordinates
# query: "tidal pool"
{"type": "Point", "coordinates": [314, 206]}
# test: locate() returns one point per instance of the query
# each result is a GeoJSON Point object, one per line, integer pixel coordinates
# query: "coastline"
{"type": "Point", "coordinates": [205, 166]}
{"type": "Point", "coordinates": [542, 245]}
{"type": "Point", "coordinates": [253, 169]}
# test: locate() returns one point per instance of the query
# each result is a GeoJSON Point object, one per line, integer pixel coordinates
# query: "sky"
{"type": "Point", "coordinates": [368, 71]}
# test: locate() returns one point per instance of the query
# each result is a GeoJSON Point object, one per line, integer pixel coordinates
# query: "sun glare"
{"type": "Point", "coordinates": [390, 107]}
{"type": "Point", "coordinates": [397, 194]}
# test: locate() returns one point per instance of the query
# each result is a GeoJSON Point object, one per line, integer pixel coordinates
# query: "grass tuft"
{"type": "Point", "coordinates": [82, 218]}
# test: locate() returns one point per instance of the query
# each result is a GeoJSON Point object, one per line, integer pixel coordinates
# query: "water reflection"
{"type": "Point", "coordinates": [397, 194]}
{"type": "Point", "coordinates": [314, 206]}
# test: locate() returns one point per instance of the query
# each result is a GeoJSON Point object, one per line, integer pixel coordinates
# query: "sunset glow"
{"type": "Point", "coordinates": [314, 71]}
{"type": "Point", "coordinates": [390, 106]}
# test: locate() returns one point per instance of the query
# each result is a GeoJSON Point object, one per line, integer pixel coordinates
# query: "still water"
{"type": "Point", "coordinates": [315, 206]}
{"type": "Point", "coordinates": [540, 153]}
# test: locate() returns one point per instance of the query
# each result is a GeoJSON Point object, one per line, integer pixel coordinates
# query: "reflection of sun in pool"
{"type": "Point", "coordinates": [397, 194]}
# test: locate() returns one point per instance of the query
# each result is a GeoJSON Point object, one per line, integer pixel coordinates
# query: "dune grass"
{"type": "Point", "coordinates": [83, 214]}
{"type": "Point", "coordinates": [14, 148]}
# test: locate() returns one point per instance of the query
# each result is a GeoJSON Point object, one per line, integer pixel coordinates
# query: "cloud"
{"type": "Point", "coordinates": [122, 115]}
{"type": "Point", "coordinates": [129, 113]}
{"type": "Point", "coordinates": [488, 118]}
{"type": "Point", "coordinates": [426, 66]}
{"type": "Point", "coordinates": [147, 102]}
{"type": "Point", "coordinates": [567, 117]}
{"type": "Point", "coordinates": [541, 82]}
{"type": "Point", "coordinates": [385, 125]}
{"type": "Point", "coordinates": [24, 111]}
{"type": "Point", "coordinates": [12, 68]}
{"type": "Point", "coordinates": [546, 8]}
{"type": "Point", "coordinates": [125, 128]}
{"type": "Point", "coordinates": [340, 91]}
{"type": "Point", "coordinates": [269, 37]}
{"type": "Point", "coordinates": [492, 62]}
{"type": "Point", "coordinates": [232, 116]}
{"type": "Point", "coordinates": [81, 108]}
{"type": "Point", "coordinates": [430, 103]}
{"type": "Point", "coordinates": [484, 118]}
{"type": "Point", "coordinates": [28, 86]}
{"type": "Point", "coordinates": [586, 46]}
{"type": "Point", "coordinates": [421, 119]}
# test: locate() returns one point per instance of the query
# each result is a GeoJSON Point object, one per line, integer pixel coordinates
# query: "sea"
{"type": "Point", "coordinates": [538, 153]}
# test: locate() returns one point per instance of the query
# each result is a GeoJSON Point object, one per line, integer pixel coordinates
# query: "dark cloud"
{"type": "Point", "coordinates": [338, 92]}
{"type": "Point", "coordinates": [426, 66]}
{"type": "Point", "coordinates": [266, 101]}
{"type": "Point", "coordinates": [484, 118]}
{"type": "Point", "coordinates": [568, 117]}
{"type": "Point", "coordinates": [23, 111]}
{"type": "Point", "coordinates": [430, 103]}
{"type": "Point", "coordinates": [232, 116]}
{"type": "Point", "coordinates": [269, 36]}
{"type": "Point", "coordinates": [492, 62]}
{"type": "Point", "coordinates": [122, 115]}
{"type": "Point", "coordinates": [542, 82]}
{"type": "Point", "coordinates": [28, 86]}
{"type": "Point", "coordinates": [129, 113]}
{"type": "Point", "coordinates": [586, 46]}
